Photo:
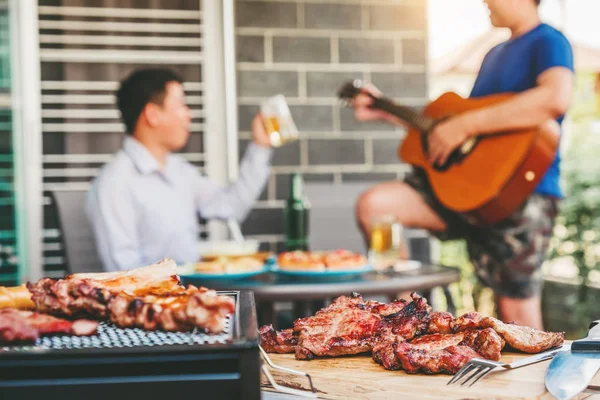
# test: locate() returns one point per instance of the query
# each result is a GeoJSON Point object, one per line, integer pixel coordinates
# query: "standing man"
{"type": "Point", "coordinates": [537, 63]}
{"type": "Point", "coordinates": [145, 204]}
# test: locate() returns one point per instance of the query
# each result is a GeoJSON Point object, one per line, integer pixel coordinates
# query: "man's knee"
{"type": "Point", "coordinates": [365, 204]}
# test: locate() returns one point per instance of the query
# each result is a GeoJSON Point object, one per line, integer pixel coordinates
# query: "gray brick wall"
{"type": "Point", "coordinates": [306, 50]}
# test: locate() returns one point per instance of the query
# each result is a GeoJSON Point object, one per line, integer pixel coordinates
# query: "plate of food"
{"type": "Point", "coordinates": [333, 263]}
{"type": "Point", "coordinates": [225, 267]}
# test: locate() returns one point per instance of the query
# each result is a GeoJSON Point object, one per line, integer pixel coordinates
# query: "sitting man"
{"type": "Point", "coordinates": [144, 205]}
{"type": "Point", "coordinates": [537, 63]}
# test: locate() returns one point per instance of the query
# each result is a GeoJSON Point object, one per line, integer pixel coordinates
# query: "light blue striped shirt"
{"type": "Point", "coordinates": [141, 214]}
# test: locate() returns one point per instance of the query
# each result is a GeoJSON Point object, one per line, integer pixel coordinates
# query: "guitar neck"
{"type": "Point", "coordinates": [419, 121]}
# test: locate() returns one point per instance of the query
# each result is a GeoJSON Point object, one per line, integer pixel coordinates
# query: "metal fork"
{"type": "Point", "coordinates": [477, 368]}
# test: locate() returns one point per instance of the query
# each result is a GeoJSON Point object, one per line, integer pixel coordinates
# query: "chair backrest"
{"type": "Point", "coordinates": [76, 232]}
{"type": "Point", "coordinates": [333, 224]}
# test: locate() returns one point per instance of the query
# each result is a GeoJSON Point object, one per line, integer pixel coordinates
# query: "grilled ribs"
{"type": "Point", "coordinates": [150, 297]}
{"type": "Point", "coordinates": [28, 326]}
{"type": "Point", "coordinates": [403, 335]}
{"type": "Point", "coordinates": [177, 310]}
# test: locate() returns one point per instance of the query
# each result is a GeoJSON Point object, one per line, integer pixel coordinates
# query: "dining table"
{"type": "Point", "coordinates": [272, 287]}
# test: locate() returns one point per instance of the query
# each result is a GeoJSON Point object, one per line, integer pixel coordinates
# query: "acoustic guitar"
{"type": "Point", "coordinates": [488, 177]}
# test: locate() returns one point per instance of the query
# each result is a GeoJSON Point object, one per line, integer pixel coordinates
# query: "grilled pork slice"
{"type": "Point", "coordinates": [350, 326]}
{"type": "Point", "coordinates": [440, 322]}
{"type": "Point", "coordinates": [28, 326]}
{"type": "Point", "coordinates": [177, 310]}
{"type": "Point", "coordinates": [447, 353]}
{"type": "Point", "coordinates": [468, 322]}
{"type": "Point", "coordinates": [522, 338]}
{"type": "Point", "coordinates": [281, 342]}
{"type": "Point", "coordinates": [411, 321]}
{"type": "Point", "coordinates": [150, 297]}
{"type": "Point", "coordinates": [446, 361]}
{"type": "Point", "coordinates": [344, 327]}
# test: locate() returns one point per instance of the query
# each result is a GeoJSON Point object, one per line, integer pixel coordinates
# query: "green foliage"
{"type": "Point", "coordinates": [468, 294]}
{"type": "Point", "coordinates": [577, 229]}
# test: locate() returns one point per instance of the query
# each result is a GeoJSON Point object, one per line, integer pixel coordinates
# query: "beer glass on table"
{"type": "Point", "coordinates": [385, 241]}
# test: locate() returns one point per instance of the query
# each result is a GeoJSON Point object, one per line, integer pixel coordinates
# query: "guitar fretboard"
{"type": "Point", "coordinates": [419, 121]}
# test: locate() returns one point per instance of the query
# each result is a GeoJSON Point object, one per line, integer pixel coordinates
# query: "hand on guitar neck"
{"type": "Point", "coordinates": [486, 176]}
{"type": "Point", "coordinates": [364, 110]}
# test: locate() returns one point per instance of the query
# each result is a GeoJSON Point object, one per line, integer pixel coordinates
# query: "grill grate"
{"type": "Point", "coordinates": [110, 336]}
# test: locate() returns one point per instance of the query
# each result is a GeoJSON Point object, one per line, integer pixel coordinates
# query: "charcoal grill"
{"type": "Point", "coordinates": [125, 363]}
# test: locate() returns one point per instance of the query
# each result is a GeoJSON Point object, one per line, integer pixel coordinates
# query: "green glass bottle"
{"type": "Point", "coordinates": [296, 213]}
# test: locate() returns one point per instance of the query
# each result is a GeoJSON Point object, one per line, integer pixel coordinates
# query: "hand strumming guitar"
{"type": "Point", "coordinates": [447, 136]}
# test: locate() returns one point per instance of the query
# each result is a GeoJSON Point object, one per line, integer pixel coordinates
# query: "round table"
{"type": "Point", "coordinates": [271, 287]}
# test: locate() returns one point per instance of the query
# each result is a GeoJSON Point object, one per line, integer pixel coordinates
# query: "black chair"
{"type": "Point", "coordinates": [77, 236]}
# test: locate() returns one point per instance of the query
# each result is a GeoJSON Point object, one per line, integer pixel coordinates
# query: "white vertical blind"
{"type": "Point", "coordinates": [85, 51]}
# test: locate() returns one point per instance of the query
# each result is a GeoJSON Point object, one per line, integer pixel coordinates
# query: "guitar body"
{"type": "Point", "coordinates": [500, 172]}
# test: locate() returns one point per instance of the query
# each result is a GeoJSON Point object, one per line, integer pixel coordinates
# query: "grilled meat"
{"type": "Point", "coordinates": [177, 310]}
{"type": "Point", "coordinates": [386, 309]}
{"type": "Point", "coordinates": [440, 322]}
{"type": "Point", "coordinates": [409, 322]}
{"type": "Point", "coordinates": [524, 338]}
{"type": "Point", "coordinates": [344, 327]}
{"type": "Point", "coordinates": [468, 322]}
{"type": "Point", "coordinates": [89, 294]}
{"type": "Point", "coordinates": [150, 297]}
{"type": "Point", "coordinates": [28, 326]}
{"type": "Point", "coordinates": [403, 335]}
{"type": "Point", "coordinates": [272, 341]}
{"type": "Point", "coordinates": [448, 360]}
{"type": "Point", "coordinates": [447, 353]}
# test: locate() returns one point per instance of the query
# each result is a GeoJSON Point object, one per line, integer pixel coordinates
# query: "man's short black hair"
{"type": "Point", "coordinates": [538, 2]}
{"type": "Point", "coordinates": [143, 86]}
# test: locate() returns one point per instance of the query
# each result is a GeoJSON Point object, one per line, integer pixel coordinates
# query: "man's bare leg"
{"type": "Point", "coordinates": [526, 312]}
{"type": "Point", "coordinates": [398, 199]}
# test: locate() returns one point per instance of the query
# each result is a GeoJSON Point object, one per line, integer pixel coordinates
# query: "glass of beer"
{"type": "Point", "coordinates": [385, 241]}
{"type": "Point", "coordinates": [278, 121]}
{"type": "Point", "coordinates": [381, 234]}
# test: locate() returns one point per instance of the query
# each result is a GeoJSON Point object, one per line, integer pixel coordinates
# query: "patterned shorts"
{"type": "Point", "coordinates": [507, 256]}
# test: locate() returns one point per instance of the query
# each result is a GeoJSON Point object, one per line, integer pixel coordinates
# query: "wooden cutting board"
{"type": "Point", "coordinates": [359, 377]}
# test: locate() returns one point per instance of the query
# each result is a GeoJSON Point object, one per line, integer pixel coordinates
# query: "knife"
{"type": "Point", "coordinates": [571, 371]}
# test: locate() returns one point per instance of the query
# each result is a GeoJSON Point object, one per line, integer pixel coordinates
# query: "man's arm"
{"type": "Point", "coordinates": [112, 214]}
{"type": "Point", "coordinates": [545, 102]}
{"type": "Point", "coordinates": [235, 200]}
{"type": "Point", "coordinates": [549, 100]}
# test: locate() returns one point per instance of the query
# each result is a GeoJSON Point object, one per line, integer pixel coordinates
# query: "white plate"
{"type": "Point", "coordinates": [228, 247]}
{"type": "Point", "coordinates": [407, 265]}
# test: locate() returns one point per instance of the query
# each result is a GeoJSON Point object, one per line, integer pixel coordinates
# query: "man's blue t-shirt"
{"type": "Point", "coordinates": [514, 66]}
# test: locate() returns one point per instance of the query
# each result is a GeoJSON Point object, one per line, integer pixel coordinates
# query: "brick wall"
{"type": "Point", "coordinates": [305, 49]}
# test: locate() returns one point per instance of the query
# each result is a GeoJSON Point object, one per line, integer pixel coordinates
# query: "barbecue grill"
{"type": "Point", "coordinates": [126, 363]}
